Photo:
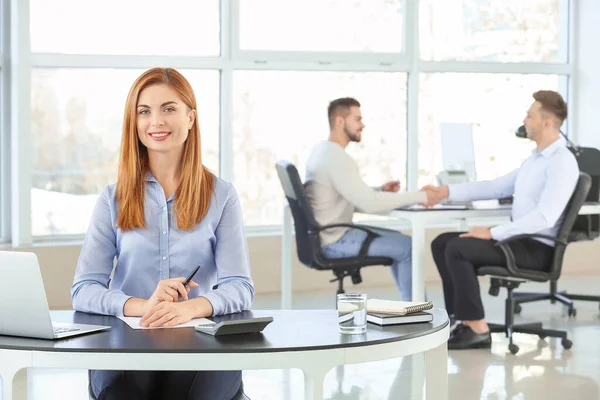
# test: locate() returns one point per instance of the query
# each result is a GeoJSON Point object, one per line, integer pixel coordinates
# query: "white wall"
{"type": "Point", "coordinates": [586, 91]}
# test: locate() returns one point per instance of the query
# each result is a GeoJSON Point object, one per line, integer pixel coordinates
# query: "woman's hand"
{"type": "Point", "coordinates": [169, 314]}
{"type": "Point", "coordinates": [169, 290]}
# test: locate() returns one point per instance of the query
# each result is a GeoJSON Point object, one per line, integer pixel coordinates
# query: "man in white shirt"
{"type": "Point", "coordinates": [542, 187]}
{"type": "Point", "coordinates": [335, 190]}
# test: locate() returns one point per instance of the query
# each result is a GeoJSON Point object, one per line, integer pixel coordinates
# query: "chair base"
{"type": "Point", "coordinates": [534, 328]}
{"type": "Point", "coordinates": [511, 303]}
{"type": "Point", "coordinates": [554, 296]}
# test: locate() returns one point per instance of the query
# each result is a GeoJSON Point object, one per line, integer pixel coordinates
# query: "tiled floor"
{"type": "Point", "coordinates": [541, 370]}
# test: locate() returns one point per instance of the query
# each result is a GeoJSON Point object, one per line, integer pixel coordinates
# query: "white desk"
{"type": "Point", "coordinates": [419, 220]}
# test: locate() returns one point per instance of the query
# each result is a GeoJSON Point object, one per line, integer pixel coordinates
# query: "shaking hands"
{"type": "Point", "coordinates": [435, 194]}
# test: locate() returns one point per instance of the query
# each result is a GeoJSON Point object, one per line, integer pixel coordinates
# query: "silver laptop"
{"type": "Point", "coordinates": [24, 307]}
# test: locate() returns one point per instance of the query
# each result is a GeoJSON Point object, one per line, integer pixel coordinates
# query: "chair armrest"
{"type": "Point", "coordinates": [364, 249]}
{"type": "Point", "coordinates": [532, 236]}
{"type": "Point", "coordinates": [511, 263]}
{"type": "Point", "coordinates": [354, 226]}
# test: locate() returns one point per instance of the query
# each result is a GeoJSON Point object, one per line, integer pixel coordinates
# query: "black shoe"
{"type": "Point", "coordinates": [452, 319]}
{"type": "Point", "coordinates": [465, 338]}
{"type": "Point", "coordinates": [456, 328]}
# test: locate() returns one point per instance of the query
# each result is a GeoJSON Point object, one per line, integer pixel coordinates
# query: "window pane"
{"type": "Point", "coordinates": [136, 27]}
{"type": "Point", "coordinates": [491, 30]}
{"type": "Point", "coordinates": [496, 103]}
{"type": "Point", "coordinates": [4, 193]}
{"type": "Point", "coordinates": [283, 114]}
{"type": "Point", "coordinates": [322, 25]}
{"type": "Point", "coordinates": [76, 134]}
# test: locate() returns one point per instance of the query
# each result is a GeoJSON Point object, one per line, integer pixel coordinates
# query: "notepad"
{"type": "Point", "coordinates": [134, 323]}
{"type": "Point", "coordinates": [391, 319]}
{"type": "Point", "coordinates": [380, 306]}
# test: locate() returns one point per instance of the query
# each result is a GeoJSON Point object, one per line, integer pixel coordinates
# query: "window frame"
{"type": "Point", "coordinates": [15, 207]}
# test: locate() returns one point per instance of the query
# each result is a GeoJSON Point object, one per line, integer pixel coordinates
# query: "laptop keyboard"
{"type": "Point", "coordinates": [65, 330]}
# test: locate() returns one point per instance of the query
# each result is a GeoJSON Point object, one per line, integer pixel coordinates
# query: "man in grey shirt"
{"type": "Point", "coordinates": [335, 191]}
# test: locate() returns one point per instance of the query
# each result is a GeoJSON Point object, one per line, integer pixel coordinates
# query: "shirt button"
{"type": "Point", "coordinates": [164, 232]}
{"type": "Point", "coordinates": [164, 258]}
{"type": "Point", "coordinates": [165, 208]}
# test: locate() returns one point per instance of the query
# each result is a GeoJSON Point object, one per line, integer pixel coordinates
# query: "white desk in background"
{"type": "Point", "coordinates": [419, 220]}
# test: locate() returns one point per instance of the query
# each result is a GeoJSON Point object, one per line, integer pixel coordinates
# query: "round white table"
{"type": "Point", "coordinates": [304, 339]}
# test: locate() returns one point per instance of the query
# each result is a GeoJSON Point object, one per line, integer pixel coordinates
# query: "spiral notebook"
{"type": "Point", "coordinates": [392, 307]}
{"type": "Point", "coordinates": [391, 319]}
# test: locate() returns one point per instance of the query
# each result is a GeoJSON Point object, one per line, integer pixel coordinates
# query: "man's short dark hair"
{"type": "Point", "coordinates": [340, 107]}
{"type": "Point", "coordinates": [553, 103]}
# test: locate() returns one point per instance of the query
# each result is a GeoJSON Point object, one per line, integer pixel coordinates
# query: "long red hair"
{"type": "Point", "coordinates": [196, 185]}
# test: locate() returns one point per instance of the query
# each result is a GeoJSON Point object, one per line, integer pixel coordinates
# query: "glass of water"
{"type": "Point", "coordinates": [352, 313]}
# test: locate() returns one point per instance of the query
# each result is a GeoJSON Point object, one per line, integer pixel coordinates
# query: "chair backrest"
{"type": "Point", "coordinates": [587, 227]}
{"type": "Point", "coordinates": [307, 239]}
{"type": "Point", "coordinates": [571, 211]}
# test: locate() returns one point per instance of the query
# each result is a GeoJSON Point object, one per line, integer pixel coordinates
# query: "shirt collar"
{"type": "Point", "coordinates": [552, 148]}
{"type": "Point", "coordinates": [149, 177]}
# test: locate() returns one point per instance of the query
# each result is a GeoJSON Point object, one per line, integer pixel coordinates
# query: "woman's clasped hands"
{"type": "Point", "coordinates": [164, 307]}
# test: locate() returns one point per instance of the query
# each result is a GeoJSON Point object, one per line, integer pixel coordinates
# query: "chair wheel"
{"type": "Point", "coordinates": [572, 312]}
{"type": "Point", "coordinates": [513, 348]}
{"type": "Point", "coordinates": [518, 309]}
{"type": "Point", "coordinates": [566, 344]}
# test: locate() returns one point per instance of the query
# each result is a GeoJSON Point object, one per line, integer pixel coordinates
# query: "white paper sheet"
{"type": "Point", "coordinates": [134, 323]}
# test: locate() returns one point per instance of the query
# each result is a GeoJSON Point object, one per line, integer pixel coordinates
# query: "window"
{"type": "Point", "coordinates": [131, 27]}
{"type": "Point", "coordinates": [492, 30]}
{"type": "Point", "coordinates": [322, 25]}
{"type": "Point", "coordinates": [76, 134]}
{"type": "Point", "coordinates": [495, 103]}
{"type": "Point", "coordinates": [4, 163]}
{"type": "Point", "coordinates": [4, 152]}
{"type": "Point", "coordinates": [283, 114]}
{"type": "Point", "coordinates": [274, 65]}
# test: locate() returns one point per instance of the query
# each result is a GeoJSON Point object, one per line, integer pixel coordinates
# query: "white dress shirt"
{"type": "Point", "coordinates": [542, 187]}
{"type": "Point", "coordinates": [161, 251]}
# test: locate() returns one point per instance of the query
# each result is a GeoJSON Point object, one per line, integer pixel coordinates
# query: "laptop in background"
{"type": "Point", "coordinates": [24, 307]}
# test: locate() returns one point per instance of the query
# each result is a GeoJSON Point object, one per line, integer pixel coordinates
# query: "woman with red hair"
{"type": "Point", "coordinates": [166, 214]}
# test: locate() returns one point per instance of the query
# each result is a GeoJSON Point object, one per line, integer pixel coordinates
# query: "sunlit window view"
{"type": "Point", "coordinates": [106, 27]}
{"type": "Point", "coordinates": [338, 25]}
{"type": "Point", "coordinates": [283, 114]}
{"type": "Point", "coordinates": [279, 111]}
{"type": "Point", "coordinates": [501, 31]}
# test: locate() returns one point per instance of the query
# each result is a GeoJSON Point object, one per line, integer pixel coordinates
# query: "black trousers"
{"type": "Point", "coordinates": [457, 260]}
{"type": "Point", "coordinates": [159, 385]}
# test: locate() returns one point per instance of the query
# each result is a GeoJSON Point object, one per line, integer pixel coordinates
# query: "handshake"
{"type": "Point", "coordinates": [435, 194]}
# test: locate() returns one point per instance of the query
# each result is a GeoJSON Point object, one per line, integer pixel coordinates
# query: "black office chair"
{"type": "Point", "coordinates": [586, 227]}
{"type": "Point", "coordinates": [307, 229]}
{"type": "Point", "coordinates": [238, 396]}
{"type": "Point", "coordinates": [512, 276]}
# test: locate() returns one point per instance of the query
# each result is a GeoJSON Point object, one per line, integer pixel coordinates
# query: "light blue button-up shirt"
{"type": "Point", "coordinates": [542, 188]}
{"type": "Point", "coordinates": [162, 251]}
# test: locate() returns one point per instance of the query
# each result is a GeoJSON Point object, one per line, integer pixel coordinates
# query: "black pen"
{"type": "Point", "coordinates": [189, 278]}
